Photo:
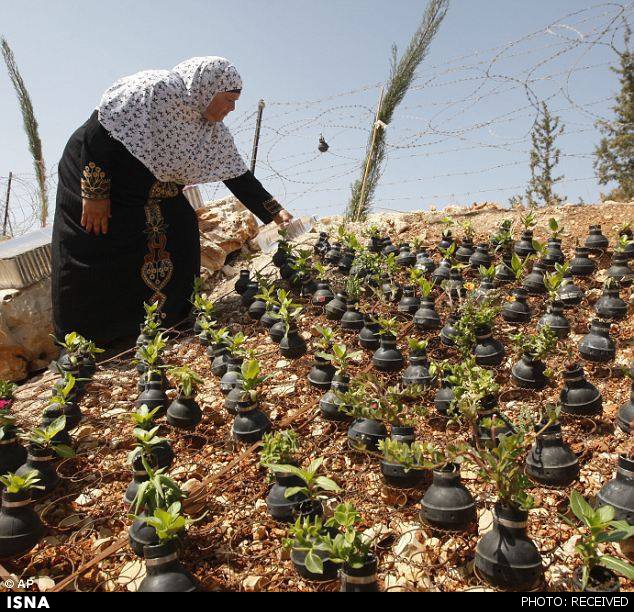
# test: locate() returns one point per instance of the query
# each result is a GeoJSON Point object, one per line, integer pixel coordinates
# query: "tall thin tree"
{"type": "Point", "coordinates": [614, 157]}
{"type": "Point", "coordinates": [402, 73]}
{"type": "Point", "coordinates": [544, 158]}
{"type": "Point", "coordinates": [30, 126]}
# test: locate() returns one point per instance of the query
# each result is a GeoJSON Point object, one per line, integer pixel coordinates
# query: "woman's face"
{"type": "Point", "coordinates": [221, 105]}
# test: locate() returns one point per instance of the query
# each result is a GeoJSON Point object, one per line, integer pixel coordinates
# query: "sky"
{"type": "Point", "coordinates": [461, 135]}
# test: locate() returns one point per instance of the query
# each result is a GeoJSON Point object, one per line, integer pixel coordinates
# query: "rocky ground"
{"type": "Point", "coordinates": [238, 546]}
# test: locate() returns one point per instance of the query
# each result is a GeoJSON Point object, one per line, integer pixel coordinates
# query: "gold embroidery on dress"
{"type": "Point", "coordinates": [272, 206]}
{"type": "Point", "coordinates": [157, 266]}
{"type": "Point", "coordinates": [94, 184]}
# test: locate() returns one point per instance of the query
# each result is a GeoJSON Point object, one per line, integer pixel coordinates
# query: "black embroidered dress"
{"type": "Point", "coordinates": [151, 251]}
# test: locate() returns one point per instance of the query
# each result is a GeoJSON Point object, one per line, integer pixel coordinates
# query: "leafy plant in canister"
{"type": "Point", "coordinates": [610, 305]}
{"type": "Point", "coordinates": [578, 396]}
{"type": "Point", "coordinates": [250, 423]}
{"type": "Point", "coordinates": [280, 448]}
{"type": "Point", "coordinates": [505, 556]}
{"type": "Point", "coordinates": [236, 349]}
{"type": "Point", "coordinates": [42, 453]}
{"type": "Point", "coordinates": [417, 372]}
{"type": "Point", "coordinates": [331, 404]}
{"type": "Point", "coordinates": [165, 574]}
{"type": "Point", "coordinates": [20, 526]}
{"type": "Point", "coordinates": [184, 412]}
{"type": "Point", "coordinates": [619, 492]}
{"type": "Point", "coordinates": [530, 372]}
{"type": "Point", "coordinates": [388, 358]}
{"type": "Point", "coordinates": [158, 491]}
{"type": "Point", "coordinates": [474, 331]}
{"type": "Point", "coordinates": [405, 466]}
{"type": "Point", "coordinates": [598, 572]}
{"type": "Point", "coordinates": [312, 488]}
{"type": "Point", "coordinates": [150, 449]}
{"type": "Point", "coordinates": [426, 317]}
{"type": "Point", "coordinates": [153, 394]}
{"type": "Point", "coordinates": [303, 538]}
{"type": "Point", "coordinates": [322, 371]}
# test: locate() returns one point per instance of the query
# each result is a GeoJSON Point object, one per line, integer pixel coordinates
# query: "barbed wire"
{"type": "Point", "coordinates": [483, 102]}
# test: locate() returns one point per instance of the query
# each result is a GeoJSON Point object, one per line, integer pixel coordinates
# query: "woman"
{"type": "Point", "coordinates": [124, 233]}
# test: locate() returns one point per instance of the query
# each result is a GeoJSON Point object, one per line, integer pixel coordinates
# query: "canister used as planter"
{"type": "Point", "coordinates": [321, 373]}
{"type": "Point", "coordinates": [578, 396]}
{"type": "Point", "coordinates": [488, 351]}
{"type": "Point", "coordinates": [619, 492]}
{"type": "Point", "coordinates": [441, 273]}
{"type": "Point", "coordinates": [596, 242]}
{"type": "Point", "coordinates": [528, 373]}
{"type": "Point", "coordinates": [404, 434]}
{"type": "Point", "coordinates": [524, 246]}
{"type": "Point", "coordinates": [242, 282]}
{"type": "Point", "coordinates": [140, 535]}
{"type": "Point", "coordinates": [387, 358]}
{"type": "Point", "coordinates": [43, 461]}
{"type": "Point", "coordinates": [12, 453]}
{"type": "Point", "coordinates": [568, 293]}
{"type": "Point", "coordinates": [250, 424]}
{"type": "Point", "coordinates": [409, 303]}
{"type": "Point", "coordinates": [480, 257]}
{"type": "Point", "coordinates": [322, 295]}
{"type": "Point", "coordinates": [518, 310]}
{"type": "Point", "coordinates": [184, 413]}
{"type": "Point", "coordinates": [330, 403]}
{"type": "Point", "coordinates": [602, 580]}
{"type": "Point", "coordinates": [153, 397]}
{"type": "Point", "coordinates": [277, 331]}
{"type": "Point", "coordinates": [424, 262]}
{"type": "Point", "coordinates": [610, 305]}
{"type": "Point", "coordinates": [581, 264]}
{"type": "Point", "coordinates": [444, 397]}
{"type": "Point", "coordinates": [330, 569]}
{"type": "Point", "coordinates": [426, 317]}
{"type": "Point", "coordinates": [165, 574]}
{"type": "Point", "coordinates": [550, 461]}
{"type": "Point", "coordinates": [336, 308]}
{"type": "Point", "coordinates": [292, 345]}
{"type": "Point", "coordinates": [267, 320]}
{"type": "Point", "coordinates": [449, 332]}
{"type": "Point", "coordinates": [555, 319]}
{"type": "Point", "coordinates": [280, 507]}
{"type": "Point", "coordinates": [360, 580]}
{"type": "Point", "coordinates": [534, 281]}
{"type": "Point", "coordinates": [417, 372]}
{"type": "Point", "coordinates": [504, 272]}
{"type": "Point", "coordinates": [352, 319]}
{"type": "Point", "coordinates": [465, 250]}
{"type": "Point", "coordinates": [219, 355]}
{"type": "Point", "coordinates": [397, 477]}
{"type": "Point", "coordinates": [447, 504]}
{"type": "Point", "coordinates": [369, 337]}
{"type": "Point", "coordinates": [233, 374]}
{"type": "Point", "coordinates": [620, 271]}
{"type": "Point", "coordinates": [597, 346]}
{"type": "Point", "coordinates": [505, 556]}
{"type": "Point", "coordinates": [405, 258]}
{"type": "Point", "coordinates": [365, 434]}
{"type": "Point", "coordinates": [20, 526]}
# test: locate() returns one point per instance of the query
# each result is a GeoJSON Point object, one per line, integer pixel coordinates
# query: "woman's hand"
{"type": "Point", "coordinates": [283, 217]}
{"type": "Point", "coordinates": [95, 215]}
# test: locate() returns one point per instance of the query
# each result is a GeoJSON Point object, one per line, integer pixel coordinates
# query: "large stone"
{"type": "Point", "coordinates": [25, 325]}
{"type": "Point", "coordinates": [225, 226]}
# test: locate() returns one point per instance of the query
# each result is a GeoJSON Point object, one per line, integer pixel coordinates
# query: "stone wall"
{"type": "Point", "coordinates": [25, 325]}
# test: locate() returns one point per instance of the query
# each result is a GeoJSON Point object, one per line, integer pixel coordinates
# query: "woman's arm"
{"type": "Point", "coordinates": [96, 161]}
{"type": "Point", "coordinates": [257, 199]}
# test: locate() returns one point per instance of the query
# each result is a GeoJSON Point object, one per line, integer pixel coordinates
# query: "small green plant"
{"type": "Point", "coordinates": [151, 354]}
{"type": "Point", "coordinates": [304, 535]}
{"type": "Point", "coordinates": [220, 336]}
{"type": "Point", "coordinates": [353, 288]}
{"type": "Point", "coordinates": [186, 380]}
{"type": "Point", "coordinates": [556, 230]}
{"type": "Point", "coordinates": [158, 491]}
{"type": "Point", "coordinates": [144, 443]}
{"type": "Point", "coordinates": [143, 417]}
{"type": "Point", "coordinates": [424, 286]}
{"type": "Point", "coordinates": [537, 346]}
{"type": "Point", "coordinates": [529, 220]}
{"type": "Point", "coordinates": [623, 243]}
{"type": "Point", "coordinates": [251, 378]}
{"type": "Point", "coordinates": [475, 314]}
{"type": "Point", "coordinates": [552, 282]}
{"type": "Point", "coordinates": [314, 485]}
{"type": "Point", "coordinates": [471, 384]}
{"type": "Point", "coordinates": [417, 346]}
{"type": "Point", "coordinates": [288, 311]}
{"type": "Point", "coordinates": [8, 428]}
{"type": "Point", "coordinates": [325, 338]}
{"type": "Point", "coordinates": [341, 357]}
{"type": "Point", "coordinates": [449, 252]}
{"type": "Point", "coordinates": [503, 238]}
{"type": "Point", "coordinates": [279, 448]}
{"type": "Point", "coordinates": [169, 523]}
{"type": "Point", "coordinates": [388, 327]}
{"type": "Point", "coordinates": [467, 229]}
{"type": "Point", "coordinates": [7, 388]}
{"type": "Point", "coordinates": [598, 527]}
{"type": "Point", "coordinates": [152, 320]}
{"type": "Point", "coordinates": [349, 547]}
{"type": "Point", "coordinates": [16, 484]}
{"type": "Point", "coordinates": [417, 456]}
{"type": "Point", "coordinates": [487, 273]}
{"type": "Point", "coordinates": [63, 392]}
{"type": "Point", "coordinates": [43, 438]}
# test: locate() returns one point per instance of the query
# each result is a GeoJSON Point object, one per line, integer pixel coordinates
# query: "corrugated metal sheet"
{"type": "Point", "coordinates": [26, 259]}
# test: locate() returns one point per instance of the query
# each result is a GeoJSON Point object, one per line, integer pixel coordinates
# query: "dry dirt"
{"type": "Point", "coordinates": [238, 546]}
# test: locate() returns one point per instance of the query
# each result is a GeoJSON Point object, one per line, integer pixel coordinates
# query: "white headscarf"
{"type": "Point", "coordinates": [158, 116]}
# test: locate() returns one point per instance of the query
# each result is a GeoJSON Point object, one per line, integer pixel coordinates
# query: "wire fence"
{"type": "Point", "coordinates": [465, 122]}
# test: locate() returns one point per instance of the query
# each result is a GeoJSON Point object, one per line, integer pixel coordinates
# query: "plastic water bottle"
{"type": "Point", "coordinates": [269, 236]}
